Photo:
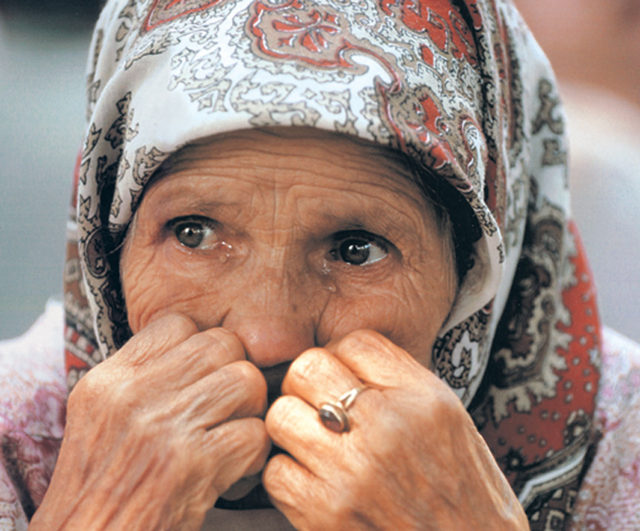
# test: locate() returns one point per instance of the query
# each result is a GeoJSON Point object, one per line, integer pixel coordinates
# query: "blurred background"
{"type": "Point", "coordinates": [593, 45]}
{"type": "Point", "coordinates": [43, 45]}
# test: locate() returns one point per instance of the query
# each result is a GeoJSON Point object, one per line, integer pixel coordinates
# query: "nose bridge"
{"type": "Point", "coordinates": [275, 276]}
{"type": "Point", "coordinates": [272, 313]}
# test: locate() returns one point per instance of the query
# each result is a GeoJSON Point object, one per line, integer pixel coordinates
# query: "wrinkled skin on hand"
{"type": "Point", "coordinates": [413, 458]}
{"type": "Point", "coordinates": [157, 432]}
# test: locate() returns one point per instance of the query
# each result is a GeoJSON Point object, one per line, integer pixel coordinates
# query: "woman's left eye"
{"type": "Point", "coordinates": [359, 248]}
{"type": "Point", "coordinates": [194, 232]}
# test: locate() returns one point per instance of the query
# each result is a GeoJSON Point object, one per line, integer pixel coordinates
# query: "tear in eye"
{"type": "Point", "coordinates": [192, 232]}
{"type": "Point", "coordinates": [359, 248]}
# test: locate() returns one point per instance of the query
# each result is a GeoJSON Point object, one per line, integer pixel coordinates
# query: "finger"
{"type": "Point", "coordinates": [236, 449]}
{"type": "Point", "coordinates": [160, 336]}
{"type": "Point", "coordinates": [378, 362]}
{"type": "Point", "coordinates": [235, 390]}
{"type": "Point", "coordinates": [290, 487]}
{"type": "Point", "coordinates": [294, 426]}
{"type": "Point", "coordinates": [204, 353]}
{"type": "Point", "coordinates": [317, 376]}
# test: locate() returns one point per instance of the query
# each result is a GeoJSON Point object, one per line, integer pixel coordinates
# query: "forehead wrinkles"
{"type": "Point", "coordinates": [374, 181]}
{"type": "Point", "coordinates": [269, 149]}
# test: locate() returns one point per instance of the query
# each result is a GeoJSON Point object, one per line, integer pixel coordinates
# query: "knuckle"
{"type": "Point", "coordinates": [199, 353]}
{"type": "Point", "coordinates": [107, 385]}
{"type": "Point", "coordinates": [225, 340]}
{"type": "Point", "coordinates": [257, 438]}
{"type": "Point", "coordinates": [277, 414]}
{"type": "Point", "coordinates": [241, 447]}
{"type": "Point", "coordinates": [157, 338]}
{"type": "Point", "coordinates": [208, 351]}
{"type": "Point", "coordinates": [250, 376]}
{"type": "Point", "coordinates": [247, 371]}
{"type": "Point", "coordinates": [363, 338]}
{"type": "Point", "coordinates": [178, 323]}
{"type": "Point", "coordinates": [244, 438]}
{"type": "Point", "coordinates": [273, 478]}
{"type": "Point", "coordinates": [276, 477]}
{"type": "Point", "coordinates": [92, 385]}
{"type": "Point", "coordinates": [346, 507]}
{"type": "Point", "coordinates": [447, 408]}
{"type": "Point", "coordinates": [83, 393]}
{"type": "Point", "coordinates": [196, 348]}
{"type": "Point", "coordinates": [305, 365]}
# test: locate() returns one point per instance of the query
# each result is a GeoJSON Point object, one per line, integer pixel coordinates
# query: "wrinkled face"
{"type": "Point", "coordinates": [290, 238]}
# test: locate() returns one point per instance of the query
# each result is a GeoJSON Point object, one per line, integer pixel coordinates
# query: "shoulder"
{"type": "Point", "coordinates": [32, 413]}
{"type": "Point", "coordinates": [32, 375]}
{"type": "Point", "coordinates": [610, 493]}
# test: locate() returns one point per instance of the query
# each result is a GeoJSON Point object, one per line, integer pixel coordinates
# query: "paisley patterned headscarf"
{"type": "Point", "coordinates": [459, 86]}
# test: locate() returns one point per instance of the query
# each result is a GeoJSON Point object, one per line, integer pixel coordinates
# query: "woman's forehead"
{"type": "Point", "coordinates": [279, 137]}
{"type": "Point", "coordinates": [254, 152]}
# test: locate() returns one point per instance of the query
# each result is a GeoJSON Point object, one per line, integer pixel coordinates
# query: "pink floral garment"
{"type": "Point", "coordinates": [32, 416]}
{"type": "Point", "coordinates": [609, 497]}
{"type": "Point", "coordinates": [32, 421]}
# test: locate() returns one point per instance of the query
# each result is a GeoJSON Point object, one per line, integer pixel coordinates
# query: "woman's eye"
{"type": "Point", "coordinates": [193, 232]}
{"type": "Point", "coordinates": [359, 248]}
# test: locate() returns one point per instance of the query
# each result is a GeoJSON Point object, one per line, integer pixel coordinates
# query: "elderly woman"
{"type": "Point", "coordinates": [322, 272]}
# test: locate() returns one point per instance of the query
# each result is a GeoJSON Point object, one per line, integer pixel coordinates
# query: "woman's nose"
{"type": "Point", "coordinates": [274, 318]}
{"type": "Point", "coordinates": [271, 339]}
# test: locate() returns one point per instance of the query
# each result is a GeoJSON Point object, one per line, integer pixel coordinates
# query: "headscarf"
{"type": "Point", "coordinates": [459, 86]}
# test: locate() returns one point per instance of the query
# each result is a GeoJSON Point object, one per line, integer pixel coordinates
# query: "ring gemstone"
{"type": "Point", "coordinates": [334, 417]}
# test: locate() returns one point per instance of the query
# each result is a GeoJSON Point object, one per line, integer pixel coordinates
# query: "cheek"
{"type": "Point", "coordinates": [409, 311]}
{"type": "Point", "coordinates": [156, 283]}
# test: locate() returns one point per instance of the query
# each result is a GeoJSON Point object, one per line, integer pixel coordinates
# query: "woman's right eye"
{"type": "Point", "coordinates": [194, 232]}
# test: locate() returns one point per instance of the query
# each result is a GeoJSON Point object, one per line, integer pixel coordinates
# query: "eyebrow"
{"type": "Point", "coordinates": [375, 219]}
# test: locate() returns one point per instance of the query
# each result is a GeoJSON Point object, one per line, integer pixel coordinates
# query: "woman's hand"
{"type": "Point", "coordinates": [413, 458]}
{"type": "Point", "coordinates": [156, 432]}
